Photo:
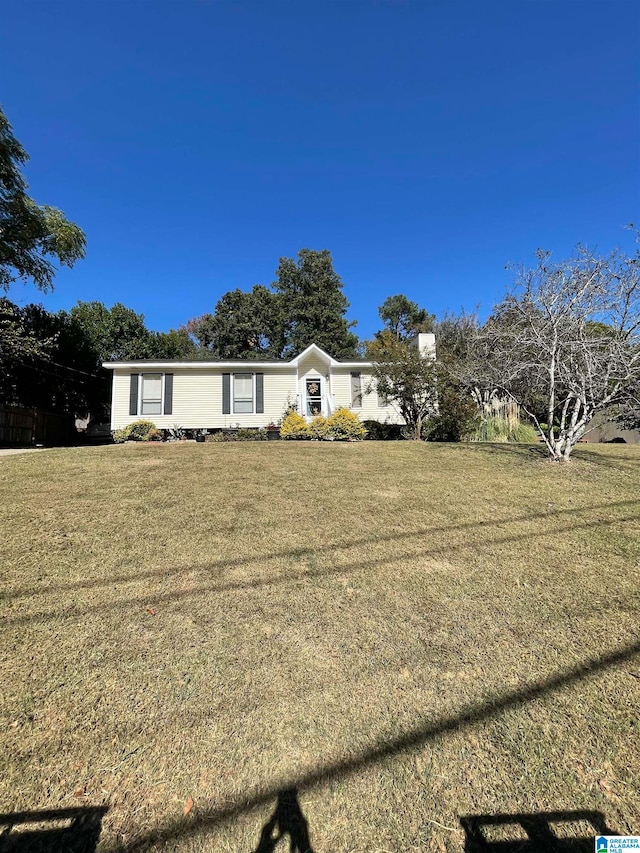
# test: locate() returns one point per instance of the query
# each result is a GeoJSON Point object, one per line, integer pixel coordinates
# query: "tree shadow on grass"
{"type": "Point", "coordinates": [539, 832]}
{"type": "Point", "coordinates": [52, 831]}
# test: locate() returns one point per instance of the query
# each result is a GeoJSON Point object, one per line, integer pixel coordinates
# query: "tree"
{"type": "Point", "coordinates": [113, 333]}
{"type": "Point", "coordinates": [404, 318]}
{"type": "Point", "coordinates": [313, 305]}
{"type": "Point", "coordinates": [243, 325]}
{"type": "Point", "coordinates": [30, 234]}
{"type": "Point", "coordinates": [568, 334]}
{"type": "Point", "coordinates": [48, 363]}
{"type": "Point", "coordinates": [405, 376]}
{"type": "Point", "coordinates": [17, 340]}
{"type": "Point", "coordinates": [176, 343]}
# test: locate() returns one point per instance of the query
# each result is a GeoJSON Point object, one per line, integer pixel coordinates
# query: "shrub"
{"type": "Point", "coordinates": [251, 434]}
{"type": "Point", "coordinates": [294, 426]}
{"type": "Point", "coordinates": [345, 425]}
{"type": "Point", "coordinates": [319, 428]}
{"type": "Point", "coordinates": [383, 432]}
{"type": "Point", "coordinates": [457, 418]}
{"type": "Point", "coordinates": [137, 431]}
{"type": "Point", "coordinates": [504, 430]}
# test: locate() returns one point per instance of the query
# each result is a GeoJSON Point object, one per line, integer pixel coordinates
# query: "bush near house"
{"type": "Point", "coordinates": [140, 430]}
{"type": "Point", "coordinates": [343, 425]}
{"type": "Point", "coordinates": [294, 426]}
{"type": "Point", "coordinates": [319, 428]}
{"type": "Point", "coordinates": [383, 432]}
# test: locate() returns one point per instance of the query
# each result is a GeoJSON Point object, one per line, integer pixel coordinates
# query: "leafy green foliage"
{"type": "Point", "coordinates": [377, 431]}
{"type": "Point", "coordinates": [140, 430]}
{"type": "Point", "coordinates": [305, 305]}
{"type": "Point", "coordinates": [457, 418]}
{"type": "Point", "coordinates": [404, 318]}
{"type": "Point", "coordinates": [30, 234]}
{"type": "Point", "coordinates": [404, 377]}
{"type": "Point", "coordinates": [113, 333]}
{"type": "Point", "coordinates": [503, 430]}
{"type": "Point", "coordinates": [313, 305]}
{"type": "Point", "coordinates": [47, 363]}
{"type": "Point", "coordinates": [251, 434]}
{"type": "Point", "coordinates": [243, 325]}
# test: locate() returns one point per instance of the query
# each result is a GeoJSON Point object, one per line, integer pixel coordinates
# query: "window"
{"type": "Point", "coordinates": [242, 393]}
{"type": "Point", "coordinates": [356, 390]}
{"type": "Point", "coordinates": [151, 394]}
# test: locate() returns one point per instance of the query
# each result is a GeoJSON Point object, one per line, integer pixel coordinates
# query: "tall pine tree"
{"type": "Point", "coordinates": [314, 305]}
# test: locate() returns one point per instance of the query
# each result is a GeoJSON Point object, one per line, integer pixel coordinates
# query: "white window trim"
{"type": "Point", "coordinates": [140, 393]}
{"type": "Point", "coordinates": [322, 396]}
{"type": "Point", "coordinates": [253, 392]}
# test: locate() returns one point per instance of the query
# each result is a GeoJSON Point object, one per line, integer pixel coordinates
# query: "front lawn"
{"type": "Point", "coordinates": [403, 634]}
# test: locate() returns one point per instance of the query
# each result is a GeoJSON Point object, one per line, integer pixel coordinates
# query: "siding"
{"type": "Point", "coordinates": [370, 410]}
{"type": "Point", "coordinates": [197, 399]}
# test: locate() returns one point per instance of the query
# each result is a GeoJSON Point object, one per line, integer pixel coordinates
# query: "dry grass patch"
{"type": "Point", "coordinates": [406, 633]}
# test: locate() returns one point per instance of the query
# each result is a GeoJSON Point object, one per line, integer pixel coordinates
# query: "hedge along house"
{"type": "Point", "coordinates": [241, 393]}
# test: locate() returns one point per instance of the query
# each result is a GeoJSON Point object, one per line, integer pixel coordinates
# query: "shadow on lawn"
{"type": "Point", "coordinates": [257, 583]}
{"type": "Point", "coordinates": [206, 820]}
{"type": "Point", "coordinates": [53, 831]}
{"type": "Point", "coordinates": [540, 832]}
{"type": "Point", "coordinates": [302, 551]}
{"type": "Point", "coordinates": [286, 820]}
{"type": "Point", "coordinates": [537, 452]}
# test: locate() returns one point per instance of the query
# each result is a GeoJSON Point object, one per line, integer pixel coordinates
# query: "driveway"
{"type": "Point", "coordinates": [11, 451]}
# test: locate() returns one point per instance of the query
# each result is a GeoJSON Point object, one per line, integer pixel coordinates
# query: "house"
{"type": "Point", "coordinates": [241, 393]}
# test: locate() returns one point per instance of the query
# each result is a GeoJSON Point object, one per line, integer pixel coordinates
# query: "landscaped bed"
{"type": "Point", "coordinates": [405, 634]}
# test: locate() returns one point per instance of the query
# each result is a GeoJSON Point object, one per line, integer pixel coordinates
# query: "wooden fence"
{"type": "Point", "coordinates": [28, 427]}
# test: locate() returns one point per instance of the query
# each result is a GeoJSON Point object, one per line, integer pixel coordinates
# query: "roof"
{"type": "Point", "coordinates": [157, 364]}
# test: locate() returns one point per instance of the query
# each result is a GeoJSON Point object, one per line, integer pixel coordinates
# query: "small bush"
{"type": "Point", "coordinates": [137, 431]}
{"type": "Point", "coordinates": [525, 434]}
{"type": "Point", "coordinates": [319, 428]}
{"type": "Point", "coordinates": [383, 432]}
{"type": "Point", "coordinates": [294, 426]}
{"type": "Point", "coordinates": [502, 430]}
{"type": "Point", "coordinates": [215, 437]}
{"type": "Point", "coordinates": [345, 425]}
{"type": "Point", "coordinates": [251, 434]}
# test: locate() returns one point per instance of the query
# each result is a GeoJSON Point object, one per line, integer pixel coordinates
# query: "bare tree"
{"type": "Point", "coordinates": [566, 342]}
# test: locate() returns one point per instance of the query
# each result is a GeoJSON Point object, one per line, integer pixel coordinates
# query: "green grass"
{"type": "Point", "coordinates": [406, 633]}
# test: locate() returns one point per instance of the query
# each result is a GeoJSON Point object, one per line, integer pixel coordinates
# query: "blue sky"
{"type": "Point", "coordinates": [425, 144]}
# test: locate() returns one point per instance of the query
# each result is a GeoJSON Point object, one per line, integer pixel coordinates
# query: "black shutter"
{"type": "Point", "coordinates": [226, 393]}
{"type": "Point", "coordinates": [259, 393]}
{"type": "Point", "coordinates": [168, 393]}
{"type": "Point", "coordinates": [133, 394]}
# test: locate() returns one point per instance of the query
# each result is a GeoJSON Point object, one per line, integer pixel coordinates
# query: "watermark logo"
{"type": "Point", "coordinates": [617, 843]}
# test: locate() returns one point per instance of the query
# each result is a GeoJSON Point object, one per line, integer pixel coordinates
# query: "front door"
{"type": "Point", "coordinates": [313, 395]}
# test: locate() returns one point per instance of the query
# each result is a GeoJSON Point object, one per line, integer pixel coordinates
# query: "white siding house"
{"type": "Point", "coordinates": [242, 393]}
